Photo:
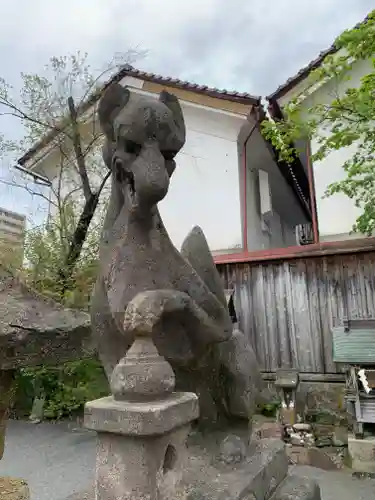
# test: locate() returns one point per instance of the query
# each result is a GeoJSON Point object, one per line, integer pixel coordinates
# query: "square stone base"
{"type": "Point", "coordinates": [148, 418]}
{"type": "Point", "coordinates": [362, 453]}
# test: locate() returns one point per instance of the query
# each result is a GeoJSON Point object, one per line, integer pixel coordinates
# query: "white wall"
{"type": "Point", "coordinates": [205, 187]}
{"type": "Point", "coordinates": [336, 214]}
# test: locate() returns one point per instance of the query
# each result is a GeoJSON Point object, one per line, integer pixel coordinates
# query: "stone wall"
{"type": "Point", "coordinates": [321, 396]}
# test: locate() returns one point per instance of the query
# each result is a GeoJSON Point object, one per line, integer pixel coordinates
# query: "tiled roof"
{"type": "Point", "coordinates": [306, 70]}
{"type": "Point", "coordinates": [302, 74]}
{"type": "Point", "coordinates": [228, 95]}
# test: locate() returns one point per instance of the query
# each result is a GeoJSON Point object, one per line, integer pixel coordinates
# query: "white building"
{"type": "Point", "coordinates": [336, 214]}
{"type": "Point", "coordinates": [12, 233]}
{"type": "Point", "coordinates": [226, 180]}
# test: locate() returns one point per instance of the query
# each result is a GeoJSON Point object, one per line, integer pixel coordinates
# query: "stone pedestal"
{"type": "Point", "coordinates": [362, 453]}
{"type": "Point", "coordinates": [142, 428]}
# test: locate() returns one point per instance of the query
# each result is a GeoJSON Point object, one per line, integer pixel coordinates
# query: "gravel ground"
{"type": "Point", "coordinates": [57, 461]}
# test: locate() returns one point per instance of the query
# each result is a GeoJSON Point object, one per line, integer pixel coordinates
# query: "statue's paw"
{"type": "Point", "coordinates": [143, 313]}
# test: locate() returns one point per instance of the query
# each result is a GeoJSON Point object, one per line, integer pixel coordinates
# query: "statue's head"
{"type": "Point", "coordinates": [143, 136]}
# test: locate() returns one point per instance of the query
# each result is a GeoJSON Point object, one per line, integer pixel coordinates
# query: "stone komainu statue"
{"type": "Point", "coordinates": [145, 283]}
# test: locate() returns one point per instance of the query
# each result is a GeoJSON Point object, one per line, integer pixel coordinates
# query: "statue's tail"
{"type": "Point", "coordinates": [196, 251]}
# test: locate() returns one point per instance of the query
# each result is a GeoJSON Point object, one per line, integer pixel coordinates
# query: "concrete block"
{"type": "Point", "coordinates": [362, 453]}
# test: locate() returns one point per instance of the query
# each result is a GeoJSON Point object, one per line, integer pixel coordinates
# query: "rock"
{"type": "Point", "coordinates": [318, 458]}
{"type": "Point", "coordinates": [302, 427]}
{"type": "Point", "coordinates": [13, 489]}
{"type": "Point", "coordinates": [232, 450]}
{"type": "Point", "coordinates": [323, 434]}
{"type": "Point", "coordinates": [238, 358]}
{"type": "Point", "coordinates": [296, 439]}
{"type": "Point", "coordinates": [309, 439]}
{"type": "Point", "coordinates": [312, 456]}
{"type": "Point", "coordinates": [298, 455]}
{"type": "Point", "coordinates": [52, 333]}
{"type": "Point", "coordinates": [323, 442]}
{"type": "Point", "coordinates": [297, 488]}
{"type": "Point", "coordinates": [323, 417]}
{"type": "Point", "coordinates": [340, 437]}
{"type": "Point", "coordinates": [271, 430]}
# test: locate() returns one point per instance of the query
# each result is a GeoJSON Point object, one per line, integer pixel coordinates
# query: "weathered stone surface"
{"type": "Point", "coordinates": [297, 488]}
{"type": "Point", "coordinates": [144, 283]}
{"type": "Point", "coordinates": [270, 430]}
{"type": "Point", "coordinates": [35, 330]}
{"type": "Point", "coordinates": [318, 458]}
{"type": "Point", "coordinates": [362, 453]}
{"type": "Point", "coordinates": [232, 450]}
{"type": "Point", "coordinates": [137, 468]}
{"type": "Point", "coordinates": [255, 477]}
{"type": "Point", "coordinates": [296, 439]}
{"type": "Point", "coordinates": [312, 397]}
{"type": "Point", "coordinates": [142, 374]}
{"type": "Point", "coordinates": [141, 418]}
{"type": "Point", "coordinates": [323, 434]}
{"type": "Point", "coordinates": [245, 382]}
{"type": "Point", "coordinates": [340, 436]}
{"type": "Point", "coordinates": [6, 396]}
{"type": "Point", "coordinates": [264, 467]}
{"type": "Point", "coordinates": [13, 489]}
{"type": "Point", "coordinates": [315, 457]}
{"type": "Point", "coordinates": [302, 427]}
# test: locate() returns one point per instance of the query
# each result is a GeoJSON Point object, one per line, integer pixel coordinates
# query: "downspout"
{"type": "Point", "coordinates": [244, 163]}
{"type": "Point", "coordinates": [310, 176]}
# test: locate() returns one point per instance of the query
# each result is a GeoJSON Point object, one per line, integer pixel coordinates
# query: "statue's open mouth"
{"type": "Point", "coordinates": [130, 184]}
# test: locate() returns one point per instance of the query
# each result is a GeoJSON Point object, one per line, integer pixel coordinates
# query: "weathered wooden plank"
{"type": "Point", "coordinates": [285, 358]}
{"type": "Point", "coordinates": [273, 342]}
{"type": "Point", "coordinates": [314, 309]}
{"type": "Point", "coordinates": [325, 316]}
{"type": "Point", "coordinates": [288, 308]}
{"type": "Point", "coordinates": [289, 283]}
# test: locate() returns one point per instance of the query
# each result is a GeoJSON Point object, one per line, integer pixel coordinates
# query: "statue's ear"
{"type": "Point", "coordinates": [111, 103]}
{"type": "Point", "coordinates": [179, 137]}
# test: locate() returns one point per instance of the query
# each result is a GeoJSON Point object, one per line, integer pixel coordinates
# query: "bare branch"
{"type": "Point", "coordinates": [77, 144]}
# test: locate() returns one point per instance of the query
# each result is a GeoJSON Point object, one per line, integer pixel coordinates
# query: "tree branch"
{"type": "Point", "coordinates": [77, 144]}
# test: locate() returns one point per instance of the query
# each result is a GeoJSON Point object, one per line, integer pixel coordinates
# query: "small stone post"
{"type": "Point", "coordinates": [142, 428]}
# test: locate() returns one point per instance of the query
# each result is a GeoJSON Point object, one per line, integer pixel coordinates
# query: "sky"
{"type": "Point", "coordinates": [246, 45]}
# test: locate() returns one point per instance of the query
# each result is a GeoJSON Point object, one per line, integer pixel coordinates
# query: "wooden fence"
{"type": "Point", "coordinates": [288, 307]}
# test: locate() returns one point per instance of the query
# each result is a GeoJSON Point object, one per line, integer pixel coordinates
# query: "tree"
{"type": "Point", "coordinates": [47, 246]}
{"type": "Point", "coordinates": [348, 119]}
{"type": "Point", "coordinates": [52, 105]}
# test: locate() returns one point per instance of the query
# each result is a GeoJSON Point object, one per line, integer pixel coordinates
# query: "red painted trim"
{"type": "Point", "coordinates": [310, 177]}
{"type": "Point", "coordinates": [315, 250]}
{"type": "Point", "coordinates": [244, 163]}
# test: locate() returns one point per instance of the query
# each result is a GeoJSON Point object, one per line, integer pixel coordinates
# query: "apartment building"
{"type": "Point", "coordinates": [12, 233]}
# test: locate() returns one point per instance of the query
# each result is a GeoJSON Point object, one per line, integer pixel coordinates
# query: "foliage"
{"type": "Point", "coordinates": [66, 388]}
{"type": "Point", "coordinates": [347, 120]}
{"type": "Point", "coordinates": [46, 247]}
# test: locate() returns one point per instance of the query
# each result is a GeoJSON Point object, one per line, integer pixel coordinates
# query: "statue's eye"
{"type": "Point", "coordinates": [132, 148]}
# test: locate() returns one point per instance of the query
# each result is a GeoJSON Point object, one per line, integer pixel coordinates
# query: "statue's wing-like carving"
{"type": "Point", "coordinates": [196, 251]}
